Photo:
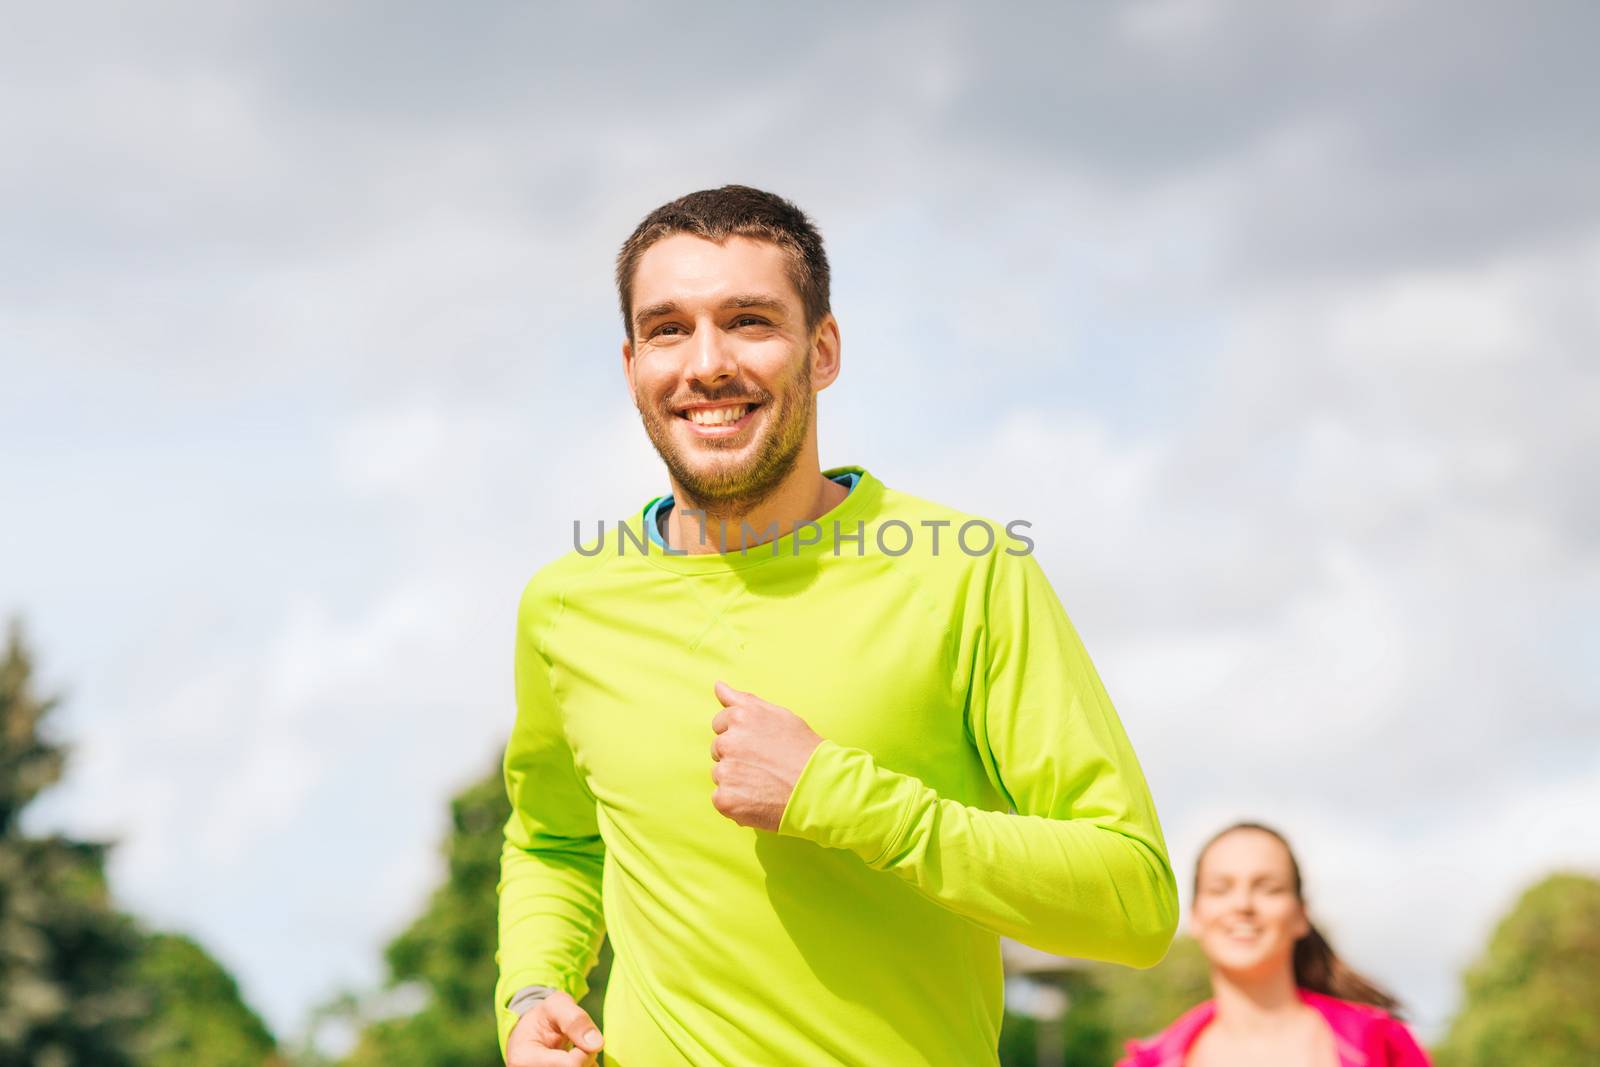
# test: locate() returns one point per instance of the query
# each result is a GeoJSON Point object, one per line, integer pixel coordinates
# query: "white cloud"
{"type": "Point", "coordinates": [1335, 623]}
{"type": "Point", "coordinates": [311, 361]}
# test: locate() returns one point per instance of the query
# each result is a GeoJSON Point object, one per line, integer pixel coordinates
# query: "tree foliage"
{"type": "Point", "coordinates": [1108, 1004]}
{"type": "Point", "coordinates": [1142, 1003]}
{"type": "Point", "coordinates": [64, 951]}
{"type": "Point", "coordinates": [1533, 997]}
{"type": "Point", "coordinates": [81, 984]}
{"type": "Point", "coordinates": [448, 953]}
{"type": "Point", "coordinates": [194, 1015]}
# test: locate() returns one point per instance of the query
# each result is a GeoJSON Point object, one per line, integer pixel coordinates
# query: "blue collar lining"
{"type": "Point", "coordinates": [653, 517]}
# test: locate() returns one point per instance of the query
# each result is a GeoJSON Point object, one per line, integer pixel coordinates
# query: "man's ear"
{"type": "Point", "coordinates": [825, 353]}
{"type": "Point", "coordinates": [627, 365]}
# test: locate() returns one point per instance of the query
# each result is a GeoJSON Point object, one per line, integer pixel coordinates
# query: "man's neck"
{"type": "Point", "coordinates": [696, 528]}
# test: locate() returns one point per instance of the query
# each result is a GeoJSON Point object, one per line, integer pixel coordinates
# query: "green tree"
{"type": "Point", "coordinates": [194, 1015]}
{"type": "Point", "coordinates": [447, 955]}
{"type": "Point", "coordinates": [1532, 997]}
{"type": "Point", "coordinates": [1142, 1003]}
{"type": "Point", "coordinates": [65, 953]}
{"type": "Point", "coordinates": [82, 985]}
{"type": "Point", "coordinates": [1108, 1004]}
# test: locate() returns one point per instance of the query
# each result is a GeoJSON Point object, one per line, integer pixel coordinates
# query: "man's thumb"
{"type": "Point", "coordinates": [578, 1028]}
{"type": "Point", "coordinates": [588, 1038]}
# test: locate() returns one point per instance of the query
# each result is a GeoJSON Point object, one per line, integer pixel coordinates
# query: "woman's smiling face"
{"type": "Point", "coordinates": [1247, 913]}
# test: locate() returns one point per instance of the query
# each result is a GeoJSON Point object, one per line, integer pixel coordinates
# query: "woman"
{"type": "Point", "coordinates": [1281, 997]}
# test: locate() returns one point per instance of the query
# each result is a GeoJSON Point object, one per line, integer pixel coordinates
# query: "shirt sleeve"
{"type": "Point", "coordinates": [1079, 867]}
{"type": "Point", "coordinates": [1400, 1048]}
{"type": "Point", "coordinates": [550, 918]}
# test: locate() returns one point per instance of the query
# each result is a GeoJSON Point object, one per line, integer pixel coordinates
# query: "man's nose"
{"type": "Point", "coordinates": [711, 358]}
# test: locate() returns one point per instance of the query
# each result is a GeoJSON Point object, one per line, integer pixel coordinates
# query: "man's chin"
{"type": "Point", "coordinates": [713, 471]}
{"type": "Point", "coordinates": [712, 462]}
{"type": "Point", "coordinates": [710, 484]}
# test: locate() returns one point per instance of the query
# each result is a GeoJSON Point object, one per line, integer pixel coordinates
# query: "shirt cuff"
{"type": "Point", "coordinates": [843, 799]}
{"type": "Point", "coordinates": [527, 997]}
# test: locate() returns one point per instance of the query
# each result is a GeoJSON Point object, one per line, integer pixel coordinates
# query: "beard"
{"type": "Point", "coordinates": [729, 488]}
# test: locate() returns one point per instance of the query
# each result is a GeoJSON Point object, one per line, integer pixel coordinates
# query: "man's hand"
{"type": "Point", "coordinates": [756, 757]}
{"type": "Point", "coordinates": [547, 1032]}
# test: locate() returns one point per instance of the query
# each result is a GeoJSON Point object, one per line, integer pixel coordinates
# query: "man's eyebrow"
{"type": "Point", "coordinates": [741, 300]}
{"type": "Point", "coordinates": [754, 300]}
{"type": "Point", "coordinates": [643, 315]}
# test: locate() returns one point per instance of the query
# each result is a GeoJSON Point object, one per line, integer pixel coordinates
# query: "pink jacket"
{"type": "Point", "coordinates": [1365, 1036]}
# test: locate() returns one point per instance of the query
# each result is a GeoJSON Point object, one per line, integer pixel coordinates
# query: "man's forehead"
{"type": "Point", "coordinates": [687, 267]}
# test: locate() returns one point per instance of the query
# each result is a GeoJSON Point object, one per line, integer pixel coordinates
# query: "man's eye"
{"type": "Point", "coordinates": [667, 330]}
{"type": "Point", "coordinates": [749, 320]}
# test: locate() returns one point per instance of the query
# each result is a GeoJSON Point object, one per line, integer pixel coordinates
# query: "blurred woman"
{"type": "Point", "coordinates": [1281, 996]}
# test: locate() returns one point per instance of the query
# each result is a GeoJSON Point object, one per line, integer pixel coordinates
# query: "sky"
{"type": "Point", "coordinates": [1278, 322]}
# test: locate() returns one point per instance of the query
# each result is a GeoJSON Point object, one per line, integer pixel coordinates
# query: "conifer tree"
{"type": "Point", "coordinates": [65, 953]}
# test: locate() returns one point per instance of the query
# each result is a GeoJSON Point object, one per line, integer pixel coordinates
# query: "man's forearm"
{"type": "Point", "coordinates": [1073, 886]}
{"type": "Point", "coordinates": [550, 921]}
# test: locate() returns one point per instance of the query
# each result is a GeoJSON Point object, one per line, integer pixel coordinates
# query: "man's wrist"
{"type": "Point", "coordinates": [791, 820]}
{"type": "Point", "coordinates": [845, 800]}
{"type": "Point", "coordinates": [527, 997]}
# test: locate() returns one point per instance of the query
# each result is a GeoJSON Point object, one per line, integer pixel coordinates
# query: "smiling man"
{"type": "Point", "coordinates": [817, 746]}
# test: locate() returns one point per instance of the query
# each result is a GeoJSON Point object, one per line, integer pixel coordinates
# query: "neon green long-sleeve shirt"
{"type": "Point", "coordinates": [974, 782]}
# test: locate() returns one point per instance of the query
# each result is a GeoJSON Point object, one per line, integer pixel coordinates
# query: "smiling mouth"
{"type": "Point", "coordinates": [723, 418]}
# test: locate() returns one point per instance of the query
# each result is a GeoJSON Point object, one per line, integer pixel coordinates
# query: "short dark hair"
{"type": "Point", "coordinates": [734, 211]}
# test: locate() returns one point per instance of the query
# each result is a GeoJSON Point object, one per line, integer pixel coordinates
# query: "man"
{"type": "Point", "coordinates": [805, 745]}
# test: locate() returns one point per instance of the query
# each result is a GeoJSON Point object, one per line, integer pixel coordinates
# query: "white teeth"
{"type": "Point", "coordinates": [717, 416]}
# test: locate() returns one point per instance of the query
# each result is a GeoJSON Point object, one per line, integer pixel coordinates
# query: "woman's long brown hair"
{"type": "Point", "coordinates": [1316, 966]}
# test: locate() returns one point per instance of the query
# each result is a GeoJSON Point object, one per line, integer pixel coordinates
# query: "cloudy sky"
{"type": "Point", "coordinates": [1279, 322]}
